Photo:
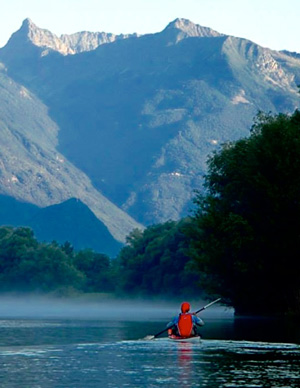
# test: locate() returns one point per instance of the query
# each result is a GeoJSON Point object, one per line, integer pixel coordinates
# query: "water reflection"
{"type": "Point", "coordinates": [185, 362]}
{"type": "Point", "coordinates": [267, 329]}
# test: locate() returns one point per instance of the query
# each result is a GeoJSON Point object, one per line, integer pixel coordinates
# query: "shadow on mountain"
{"type": "Point", "coordinates": [68, 221]}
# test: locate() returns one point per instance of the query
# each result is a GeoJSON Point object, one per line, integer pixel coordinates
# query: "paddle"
{"type": "Point", "coordinates": [150, 337]}
{"type": "Point", "coordinates": [205, 307]}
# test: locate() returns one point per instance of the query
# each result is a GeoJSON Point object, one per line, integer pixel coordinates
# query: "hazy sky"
{"type": "Point", "coordinates": [270, 23]}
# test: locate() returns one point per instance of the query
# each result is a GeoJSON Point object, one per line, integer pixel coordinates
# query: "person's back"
{"type": "Point", "coordinates": [184, 325]}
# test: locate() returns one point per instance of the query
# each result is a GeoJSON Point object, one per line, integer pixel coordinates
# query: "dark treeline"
{"type": "Point", "coordinates": [242, 242]}
{"type": "Point", "coordinates": [27, 265]}
{"type": "Point", "coordinates": [156, 261]}
{"type": "Point", "coordinates": [153, 262]}
{"type": "Point", "coordinates": [246, 232]}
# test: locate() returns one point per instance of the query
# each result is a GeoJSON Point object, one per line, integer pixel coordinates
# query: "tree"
{"type": "Point", "coordinates": [155, 261]}
{"type": "Point", "coordinates": [14, 244]}
{"type": "Point", "coordinates": [47, 268]}
{"type": "Point", "coordinates": [246, 234]}
{"type": "Point", "coordinates": [28, 265]}
{"type": "Point", "coordinates": [96, 268]}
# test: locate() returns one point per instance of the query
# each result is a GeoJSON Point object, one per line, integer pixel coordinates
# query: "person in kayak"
{"type": "Point", "coordinates": [185, 324]}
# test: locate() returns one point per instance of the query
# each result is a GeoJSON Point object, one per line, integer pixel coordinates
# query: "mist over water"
{"type": "Point", "coordinates": [104, 309]}
{"type": "Point", "coordinates": [148, 317]}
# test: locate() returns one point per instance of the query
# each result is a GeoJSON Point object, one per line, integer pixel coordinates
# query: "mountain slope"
{"type": "Point", "coordinates": [33, 170]}
{"type": "Point", "coordinates": [69, 221]}
{"type": "Point", "coordinates": [139, 116]}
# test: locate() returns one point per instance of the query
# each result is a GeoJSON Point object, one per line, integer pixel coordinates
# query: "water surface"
{"type": "Point", "coordinates": [76, 352]}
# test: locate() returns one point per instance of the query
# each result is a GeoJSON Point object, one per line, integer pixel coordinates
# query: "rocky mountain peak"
{"type": "Point", "coordinates": [65, 44]}
{"type": "Point", "coordinates": [190, 29]}
{"type": "Point", "coordinates": [32, 34]}
{"type": "Point", "coordinates": [27, 25]}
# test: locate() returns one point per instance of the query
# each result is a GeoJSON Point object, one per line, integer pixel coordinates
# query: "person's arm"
{"type": "Point", "coordinates": [197, 321]}
{"type": "Point", "coordinates": [173, 322]}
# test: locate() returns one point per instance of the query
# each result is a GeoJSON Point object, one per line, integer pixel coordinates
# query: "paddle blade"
{"type": "Point", "coordinates": [149, 337]}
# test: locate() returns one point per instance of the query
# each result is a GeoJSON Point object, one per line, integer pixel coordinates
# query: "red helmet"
{"type": "Point", "coordinates": [185, 307]}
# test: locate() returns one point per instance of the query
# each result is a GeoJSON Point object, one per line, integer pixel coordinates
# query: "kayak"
{"type": "Point", "coordinates": [194, 338]}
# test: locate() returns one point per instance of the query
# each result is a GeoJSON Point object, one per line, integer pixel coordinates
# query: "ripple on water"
{"type": "Point", "coordinates": [20, 324]}
{"type": "Point", "coordinates": [161, 362]}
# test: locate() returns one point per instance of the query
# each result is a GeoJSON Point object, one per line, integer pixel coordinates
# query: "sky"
{"type": "Point", "coordinates": [270, 23]}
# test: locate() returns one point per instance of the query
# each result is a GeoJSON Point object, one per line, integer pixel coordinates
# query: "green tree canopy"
{"type": "Point", "coordinates": [97, 270]}
{"type": "Point", "coordinates": [246, 235]}
{"type": "Point", "coordinates": [155, 261]}
{"type": "Point", "coordinates": [28, 265]}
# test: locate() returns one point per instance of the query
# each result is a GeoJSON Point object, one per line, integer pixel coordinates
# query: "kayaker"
{"type": "Point", "coordinates": [185, 324]}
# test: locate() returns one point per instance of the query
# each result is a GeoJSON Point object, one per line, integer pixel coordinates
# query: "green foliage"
{"type": "Point", "coordinates": [155, 261]}
{"type": "Point", "coordinates": [27, 265]}
{"type": "Point", "coordinates": [246, 235]}
{"type": "Point", "coordinates": [96, 268]}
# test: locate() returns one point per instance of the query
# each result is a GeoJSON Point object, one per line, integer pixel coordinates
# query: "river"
{"type": "Point", "coordinates": [57, 345]}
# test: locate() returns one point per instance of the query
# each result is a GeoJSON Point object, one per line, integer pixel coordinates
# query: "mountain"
{"type": "Point", "coordinates": [68, 221]}
{"type": "Point", "coordinates": [29, 33]}
{"type": "Point", "coordinates": [139, 115]}
{"type": "Point", "coordinates": [32, 169]}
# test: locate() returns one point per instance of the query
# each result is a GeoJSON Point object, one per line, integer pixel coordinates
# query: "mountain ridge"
{"type": "Point", "coordinates": [70, 44]}
{"type": "Point", "coordinates": [66, 44]}
{"type": "Point", "coordinates": [68, 221]}
{"type": "Point", "coordinates": [190, 29]}
{"type": "Point", "coordinates": [139, 116]}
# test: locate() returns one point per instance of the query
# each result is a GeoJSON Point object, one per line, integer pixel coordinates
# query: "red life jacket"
{"type": "Point", "coordinates": [185, 325]}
